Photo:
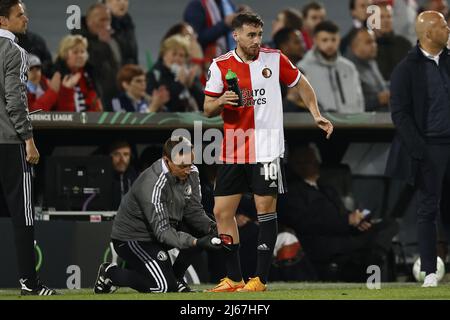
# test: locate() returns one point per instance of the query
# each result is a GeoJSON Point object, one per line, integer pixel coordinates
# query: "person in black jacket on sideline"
{"type": "Point", "coordinates": [420, 151]}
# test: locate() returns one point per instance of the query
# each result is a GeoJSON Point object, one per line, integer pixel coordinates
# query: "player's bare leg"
{"type": "Point", "coordinates": [266, 208]}
{"type": "Point", "coordinates": [225, 210]}
{"type": "Point", "coordinates": [265, 204]}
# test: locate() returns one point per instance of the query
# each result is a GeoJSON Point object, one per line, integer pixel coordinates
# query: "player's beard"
{"type": "Point", "coordinates": [251, 52]}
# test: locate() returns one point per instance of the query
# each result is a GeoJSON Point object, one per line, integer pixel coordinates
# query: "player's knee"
{"type": "Point", "coordinates": [223, 215]}
{"type": "Point", "coordinates": [266, 205]}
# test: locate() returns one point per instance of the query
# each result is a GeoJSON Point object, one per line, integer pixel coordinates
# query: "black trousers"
{"type": "Point", "coordinates": [432, 172]}
{"type": "Point", "coordinates": [16, 201]}
{"type": "Point", "coordinates": [149, 268]}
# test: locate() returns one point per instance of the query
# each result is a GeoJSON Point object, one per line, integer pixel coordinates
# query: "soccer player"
{"type": "Point", "coordinates": [163, 201]}
{"type": "Point", "coordinates": [17, 149]}
{"type": "Point", "coordinates": [253, 162]}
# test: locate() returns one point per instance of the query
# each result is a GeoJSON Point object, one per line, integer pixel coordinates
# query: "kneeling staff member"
{"type": "Point", "coordinates": [164, 198]}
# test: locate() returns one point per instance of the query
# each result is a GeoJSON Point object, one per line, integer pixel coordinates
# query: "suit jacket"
{"type": "Point", "coordinates": [409, 109]}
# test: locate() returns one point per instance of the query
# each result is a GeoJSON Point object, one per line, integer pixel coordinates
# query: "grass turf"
{"type": "Point", "coordinates": [277, 291]}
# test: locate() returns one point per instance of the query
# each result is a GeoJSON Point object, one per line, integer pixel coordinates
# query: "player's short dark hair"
{"type": "Point", "coordinates": [311, 6]}
{"type": "Point", "coordinates": [182, 143]}
{"type": "Point", "coordinates": [249, 18]}
{"type": "Point", "coordinates": [282, 36]}
{"type": "Point", "coordinates": [6, 5]}
{"type": "Point", "coordinates": [327, 26]}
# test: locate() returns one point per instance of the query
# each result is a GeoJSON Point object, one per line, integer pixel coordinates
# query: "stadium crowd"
{"type": "Point", "coordinates": [97, 68]}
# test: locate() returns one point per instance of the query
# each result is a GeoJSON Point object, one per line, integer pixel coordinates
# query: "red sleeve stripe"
{"type": "Point", "coordinates": [213, 94]}
{"type": "Point", "coordinates": [293, 84]}
{"type": "Point", "coordinates": [224, 56]}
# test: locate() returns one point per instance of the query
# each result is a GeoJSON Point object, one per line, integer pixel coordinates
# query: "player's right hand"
{"type": "Point", "coordinates": [209, 242]}
{"type": "Point", "coordinates": [229, 97]}
{"type": "Point", "coordinates": [325, 125]}
{"type": "Point", "coordinates": [32, 152]}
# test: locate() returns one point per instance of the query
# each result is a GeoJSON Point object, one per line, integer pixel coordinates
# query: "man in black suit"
{"type": "Point", "coordinates": [420, 105]}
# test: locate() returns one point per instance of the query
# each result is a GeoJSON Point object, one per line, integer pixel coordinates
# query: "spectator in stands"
{"type": "Point", "coordinates": [313, 14]}
{"type": "Point", "coordinates": [42, 93]}
{"type": "Point", "coordinates": [36, 45]}
{"type": "Point", "coordinates": [363, 51]}
{"type": "Point", "coordinates": [290, 42]}
{"type": "Point", "coordinates": [133, 96]}
{"type": "Point", "coordinates": [358, 11]}
{"type": "Point", "coordinates": [405, 13]}
{"type": "Point", "coordinates": [104, 51]}
{"type": "Point", "coordinates": [211, 20]}
{"type": "Point", "coordinates": [77, 92]}
{"type": "Point", "coordinates": [123, 173]}
{"type": "Point", "coordinates": [436, 5]}
{"type": "Point", "coordinates": [334, 77]}
{"type": "Point", "coordinates": [392, 48]}
{"type": "Point", "coordinates": [197, 59]}
{"type": "Point", "coordinates": [123, 30]}
{"type": "Point", "coordinates": [171, 71]}
{"type": "Point", "coordinates": [327, 231]}
{"type": "Point", "coordinates": [286, 18]}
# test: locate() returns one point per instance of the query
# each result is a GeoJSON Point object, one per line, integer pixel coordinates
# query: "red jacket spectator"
{"type": "Point", "coordinates": [82, 97]}
{"type": "Point", "coordinates": [46, 101]}
{"type": "Point", "coordinates": [67, 99]}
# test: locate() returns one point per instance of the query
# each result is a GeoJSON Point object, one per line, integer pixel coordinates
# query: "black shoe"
{"type": "Point", "coordinates": [38, 290]}
{"type": "Point", "coordinates": [103, 284]}
{"type": "Point", "coordinates": [183, 286]}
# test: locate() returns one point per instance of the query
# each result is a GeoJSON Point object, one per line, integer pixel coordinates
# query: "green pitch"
{"type": "Point", "coordinates": [277, 291]}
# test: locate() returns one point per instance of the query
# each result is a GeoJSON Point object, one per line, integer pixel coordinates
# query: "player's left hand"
{"type": "Point", "coordinates": [209, 242]}
{"type": "Point", "coordinates": [325, 125]}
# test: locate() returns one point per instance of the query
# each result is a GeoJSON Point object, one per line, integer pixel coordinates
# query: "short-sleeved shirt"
{"type": "Point", "coordinates": [258, 124]}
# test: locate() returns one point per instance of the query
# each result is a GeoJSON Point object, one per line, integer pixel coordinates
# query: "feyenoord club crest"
{"type": "Point", "coordinates": [162, 256]}
{"type": "Point", "coordinates": [267, 73]}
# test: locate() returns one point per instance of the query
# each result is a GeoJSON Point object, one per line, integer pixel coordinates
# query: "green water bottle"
{"type": "Point", "coordinates": [233, 85]}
